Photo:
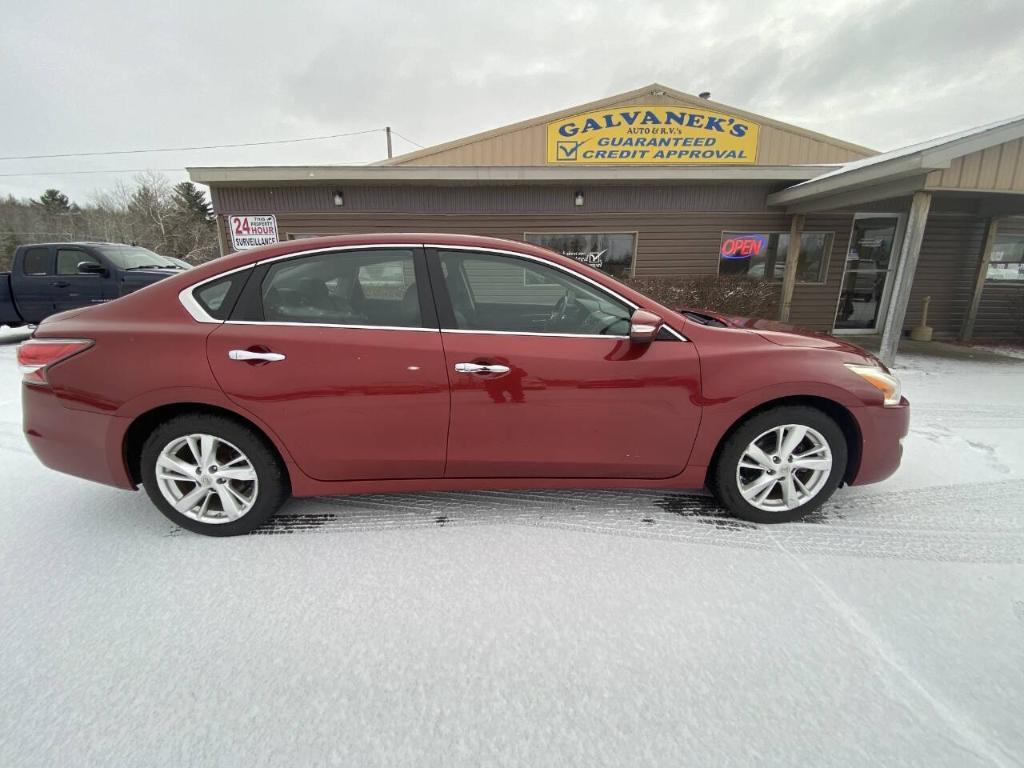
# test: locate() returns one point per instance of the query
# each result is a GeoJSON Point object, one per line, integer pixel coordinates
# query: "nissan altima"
{"type": "Point", "coordinates": [370, 363]}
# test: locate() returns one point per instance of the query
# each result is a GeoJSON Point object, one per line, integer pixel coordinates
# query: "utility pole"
{"type": "Point", "coordinates": [387, 132]}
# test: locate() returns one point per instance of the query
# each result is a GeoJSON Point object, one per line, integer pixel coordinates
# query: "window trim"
{"type": "Point", "coordinates": [434, 268]}
{"type": "Point", "coordinates": [826, 262]}
{"type": "Point", "coordinates": [634, 232]}
{"type": "Point", "coordinates": [199, 314]}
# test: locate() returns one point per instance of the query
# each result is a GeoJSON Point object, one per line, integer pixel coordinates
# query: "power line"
{"type": "Point", "coordinates": [416, 143]}
{"type": "Point", "coordinates": [119, 170]}
{"type": "Point", "coordinates": [192, 149]}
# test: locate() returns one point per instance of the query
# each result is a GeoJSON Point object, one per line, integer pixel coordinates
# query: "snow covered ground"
{"type": "Point", "coordinates": [536, 629]}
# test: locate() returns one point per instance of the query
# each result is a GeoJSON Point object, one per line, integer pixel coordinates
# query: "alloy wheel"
{"type": "Point", "coordinates": [784, 467]}
{"type": "Point", "coordinates": [206, 478]}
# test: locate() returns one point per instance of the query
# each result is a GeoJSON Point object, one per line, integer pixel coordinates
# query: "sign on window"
{"type": "Point", "coordinates": [611, 252]}
{"type": "Point", "coordinates": [252, 231]}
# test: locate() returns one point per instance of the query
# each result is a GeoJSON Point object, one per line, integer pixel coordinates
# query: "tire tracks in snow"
{"type": "Point", "coordinates": [957, 523]}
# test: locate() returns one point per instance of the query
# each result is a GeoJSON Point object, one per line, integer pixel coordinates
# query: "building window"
{"type": "Point", "coordinates": [1007, 262]}
{"type": "Point", "coordinates": [611, 252]}
{"type": "Point", "coordinates": [763, 255]}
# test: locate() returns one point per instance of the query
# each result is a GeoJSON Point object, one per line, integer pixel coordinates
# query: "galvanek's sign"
{"type": "Point", "coordinates": [652, 135]}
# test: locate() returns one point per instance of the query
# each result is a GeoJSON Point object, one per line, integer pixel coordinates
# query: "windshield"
{"type": "Point", "coordinates": [134, 257]}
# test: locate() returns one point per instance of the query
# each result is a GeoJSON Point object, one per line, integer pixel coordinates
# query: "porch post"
{"type": "Point", "coordinates": [911, 249]}
{"type": "Point", "coordinates": [967, 329]}
{"type": "Point", "coordinates": [796, 229]}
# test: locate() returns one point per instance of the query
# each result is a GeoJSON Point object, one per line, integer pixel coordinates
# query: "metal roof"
{"type": "Point", "coordinates": [914, 160]}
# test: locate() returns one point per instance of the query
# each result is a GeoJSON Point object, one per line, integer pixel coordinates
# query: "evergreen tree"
{"type": "Point", "coordinates": [8, 243]}
{"type": "Point", "coordinates": [191, 200]}
{"type": "Point", "coordinates": [53, 201]}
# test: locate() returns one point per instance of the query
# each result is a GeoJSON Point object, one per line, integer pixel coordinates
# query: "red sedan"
{"type": "Point", "coordinates": [378, 363]}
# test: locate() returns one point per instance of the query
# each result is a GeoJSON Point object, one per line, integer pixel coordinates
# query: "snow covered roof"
{"type": "Point", "coordinates": [934, 154]}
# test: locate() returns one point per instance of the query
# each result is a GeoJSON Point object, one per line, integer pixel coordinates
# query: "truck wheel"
{"type": "Point", "coordinates": [780, 465]}
{"type": "Point", "coordinates": [212, 475]}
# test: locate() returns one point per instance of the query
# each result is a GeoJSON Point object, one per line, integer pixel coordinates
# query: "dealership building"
{"type": "Point", "coordinates": [659, 183]}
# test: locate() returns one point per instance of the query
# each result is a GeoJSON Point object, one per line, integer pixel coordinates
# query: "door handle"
{"type": "Point", "coordinates": [479, 368]}
{"type": "Point", "coordinates": [61, 284]}
{"type": "Point", "coordinates": [245, 354]}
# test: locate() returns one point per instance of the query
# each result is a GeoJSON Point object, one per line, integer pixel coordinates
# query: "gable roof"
{"type": "Point", "coordinates": [910, 161]}
{"type": "Point", "coordinates": [442, 154]}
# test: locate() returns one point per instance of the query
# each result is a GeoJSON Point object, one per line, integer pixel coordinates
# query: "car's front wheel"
{"type": "Point", "coordinates": [780, 464]}
{"type": "Point", "coordinates": [212, 475]}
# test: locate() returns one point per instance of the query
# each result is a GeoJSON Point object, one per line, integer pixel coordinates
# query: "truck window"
{"type": "Point", "coordinates": [36, 261]}
{"type": "Point", "coordinates": [68, 260]}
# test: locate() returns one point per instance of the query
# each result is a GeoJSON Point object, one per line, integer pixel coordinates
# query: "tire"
{"type": "Point", "coordinates": [799, 487]}
{"type": "Point", "coordinates": [227, 500]}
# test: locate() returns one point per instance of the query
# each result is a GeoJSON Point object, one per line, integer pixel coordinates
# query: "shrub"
{"type": "Point", "coordinates": [728, 295]}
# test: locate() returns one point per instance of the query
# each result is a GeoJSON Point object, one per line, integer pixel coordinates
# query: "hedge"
{"type": "Point", "coordinates": [728, 295]}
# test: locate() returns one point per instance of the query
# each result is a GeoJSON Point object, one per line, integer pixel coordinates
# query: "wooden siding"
{"type": "Point", "coordinates": [686, 243]}
{"type": "Point", "coordinates": [668, 244]}
{"type": "Point", "coordinates": [490, 199]}
{"type": "Point", "coordinates": [946, 271]}
{"type": "Point", "coordinates": [526, 144]}
{"type": "Point", "coordinates": [996, 169]}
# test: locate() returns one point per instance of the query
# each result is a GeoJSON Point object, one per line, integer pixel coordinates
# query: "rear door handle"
{"type": "Point", "coordinates": [61, 284]}
{"type": "Point", "coordinates": [479, 368]}
{"type": "Point", "coordinates": [245, 354]}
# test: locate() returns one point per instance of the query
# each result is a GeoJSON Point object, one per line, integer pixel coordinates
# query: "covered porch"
{"type": "Point", "coordinates": [956, 196]}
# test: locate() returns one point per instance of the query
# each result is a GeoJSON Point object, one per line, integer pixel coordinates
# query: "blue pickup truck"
{"type": "Point", "coordinates": [47, 278]}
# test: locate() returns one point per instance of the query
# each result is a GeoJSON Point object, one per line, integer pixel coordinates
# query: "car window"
{"type": "Point", "coordinates": [134, 257]}
{"type": "Point", "coordinates": [68, 260]}
{"type": "Point", "coordinates": [36, 261]}
{"type": "Point", "coordinates": [218, 297]}
{"type": "Point", "coordinates": [344, 288]}
{"type": "Point", "coordinates": [494, 292]}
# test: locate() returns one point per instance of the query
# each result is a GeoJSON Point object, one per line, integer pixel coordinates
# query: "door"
{"type": "Point", "coordinates": [340, 355]}
{"type": "Point", "coordinates": [32, 284]}
{"type": "Point", "coordinates": [870, 263]}
{"type": "Point", "coordinates": [544, 379]}
{"type": "Point", "coordinates": [71, 289]}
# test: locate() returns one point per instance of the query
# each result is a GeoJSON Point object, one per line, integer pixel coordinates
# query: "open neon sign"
{"type": "Point", "coordinates": [744, 246]}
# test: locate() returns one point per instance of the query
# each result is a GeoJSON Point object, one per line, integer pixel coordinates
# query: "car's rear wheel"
{"type": "Point", "coordinates": [780, 465]}
{"type": "Point", "coordinates": [213, 476]}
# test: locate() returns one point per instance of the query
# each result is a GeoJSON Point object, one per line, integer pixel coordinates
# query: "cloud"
{"type": "Point", "coordinates": [100, 76]}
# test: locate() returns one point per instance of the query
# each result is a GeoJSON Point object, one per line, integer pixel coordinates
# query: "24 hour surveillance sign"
{"type": "Point", "coordinates": [652, 135]}
{"type": "Point", "coordinates": [252, 231]}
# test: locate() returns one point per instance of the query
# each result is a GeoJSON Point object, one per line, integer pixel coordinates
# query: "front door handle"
{"type": "Point", "coordinates": [245, 354]}
{"type": "Point", "coordinates": [61, 284]}
{"type": "Point", "coordinates": [479, 368]}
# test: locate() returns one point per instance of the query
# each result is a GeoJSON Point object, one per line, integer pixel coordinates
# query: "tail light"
{"type": "Point", "coordinates": [36, 355]}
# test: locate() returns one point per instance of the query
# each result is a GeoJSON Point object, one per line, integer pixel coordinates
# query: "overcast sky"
{"type": "Point", "coordinates": [79, 77]}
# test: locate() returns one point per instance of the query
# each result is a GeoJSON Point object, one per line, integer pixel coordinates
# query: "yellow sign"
{"type": "Point", "coordinates": [652, 135]}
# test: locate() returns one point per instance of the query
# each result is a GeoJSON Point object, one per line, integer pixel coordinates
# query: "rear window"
{"type": "Point", "coordinates": [218, 298]}
{"type": "Point", "coordinates": [37, 261]}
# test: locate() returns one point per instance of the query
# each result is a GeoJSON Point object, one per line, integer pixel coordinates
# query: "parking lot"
{"type": "Point", "coordinates": [538, 628]}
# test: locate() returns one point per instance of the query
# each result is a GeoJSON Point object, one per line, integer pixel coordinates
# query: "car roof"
{"type": "Point", "coordinates": [75, 242]}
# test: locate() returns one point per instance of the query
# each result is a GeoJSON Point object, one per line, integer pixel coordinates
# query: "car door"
{"type": "Point", "coordinates": [340, 354]}
{"type": "Point", "coordinates": [72, 289]}
{"type": "Point", "coordinates": [32, 285]}
{"type": "Point", "coordinates": [545, 381]}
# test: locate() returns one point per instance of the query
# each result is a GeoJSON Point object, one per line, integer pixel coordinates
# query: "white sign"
{"type": "Point", "coordinates": [252, 231]}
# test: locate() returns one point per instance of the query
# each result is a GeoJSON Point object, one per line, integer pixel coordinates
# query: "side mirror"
{"type": "Point", "coordinates": [644, 327]}
{"type": "Point", "coordinates": [91, 268]}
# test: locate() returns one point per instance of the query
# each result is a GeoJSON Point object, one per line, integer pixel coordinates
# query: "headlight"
{"type": "Point", "coordinates": [884, 382]}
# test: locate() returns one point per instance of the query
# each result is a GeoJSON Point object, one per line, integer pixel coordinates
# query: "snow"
{"type": "Point", "coordinates": [543, 628]}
